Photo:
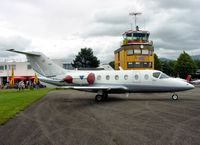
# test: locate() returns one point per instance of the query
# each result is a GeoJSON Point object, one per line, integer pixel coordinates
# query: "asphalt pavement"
{"type": "Point", "coordinates": [71, 117]}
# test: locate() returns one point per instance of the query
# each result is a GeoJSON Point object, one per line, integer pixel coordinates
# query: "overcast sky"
{"type": "Point", "coordinates": [59, 28]}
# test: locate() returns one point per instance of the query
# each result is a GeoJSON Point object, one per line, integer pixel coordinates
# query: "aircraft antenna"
{"type": "Point", "coordinates": [135, 14]}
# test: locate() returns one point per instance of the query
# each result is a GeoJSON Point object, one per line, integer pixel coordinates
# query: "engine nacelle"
{"type": "Point", "coordinates": [85, 79]}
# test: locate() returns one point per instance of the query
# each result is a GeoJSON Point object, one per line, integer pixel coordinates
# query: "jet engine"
{"type": "Point", "coordinates": [84, 79]}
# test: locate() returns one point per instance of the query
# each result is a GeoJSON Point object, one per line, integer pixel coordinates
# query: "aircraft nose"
{"type": "Point", "coordinates": [190, 86]}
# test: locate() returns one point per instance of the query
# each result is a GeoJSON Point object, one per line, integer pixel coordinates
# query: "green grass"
{"type": "Point", "coordinates": [14, 101]}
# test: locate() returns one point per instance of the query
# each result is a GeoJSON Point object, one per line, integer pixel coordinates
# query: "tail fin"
{"type": "Point", "coordinates": [188, 78]}
{"type": "Point", "coordinates": [41, 64]}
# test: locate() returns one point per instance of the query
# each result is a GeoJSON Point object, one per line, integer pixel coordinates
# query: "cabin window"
{"type": "Point", "coordinates": [98, 77]}
{"type": "Point", "coordinates": [156, 74]}
{"type": "Point", "coordinates": [136, 77]}
{"type": "Point", "coordinates": [126, 77]}
{"type": "Point", "coordinates": [164, 76]}
{"type": "Point", "coordinates": [146, 76]}
{"type": "Point", "coordinates": [107, 77]}
{"type": "Point", "coordinates": [116, 77]}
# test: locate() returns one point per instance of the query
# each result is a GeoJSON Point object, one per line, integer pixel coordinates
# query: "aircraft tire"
{"type": "Point", "coordinates": [99, 98]}
{"type": "Point", "coordinates": [174, 97]}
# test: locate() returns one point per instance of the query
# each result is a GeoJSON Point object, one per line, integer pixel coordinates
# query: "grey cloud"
{"type": "Point", "coordinates": [14, 42]}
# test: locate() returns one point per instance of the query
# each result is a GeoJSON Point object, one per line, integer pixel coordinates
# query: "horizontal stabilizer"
{"type": "Point", "coordinates": [22, 52]}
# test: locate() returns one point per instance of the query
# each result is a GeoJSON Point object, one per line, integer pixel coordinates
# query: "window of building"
{"type": "Point", "coordinates": [145, 64]}
{"type": "Point", "coordinates": [137, 51]}
{"type": "Point", "coordinates": [150, 52]}
{"type": "Point", "coordinates": [145, 52]}
{"type": "Point", "coordinates": [107, 77]}
{"type": "Point", "coordinates": [68, 66]}
{"type": "Point", "coordinates": [98, 77]}
{"type": "Point", "coordinates": [129, 52]}
{"type": "Point", "coordinates": [116, 77]}
{"type": "Point", "coordinates": [12, 66]}
{"type": "Point", "coordinates": [1, 67]}
{"type": "Point", "coordinates": [126, 77]}
{"type": "Point", "coordinates": [29, 67]}
{"type": "Point", "coordinates": [130, 65]}
{"type": "Point", "coordinates": [137, 65]}
{"type": "Point", "coordinates": [5, 67]}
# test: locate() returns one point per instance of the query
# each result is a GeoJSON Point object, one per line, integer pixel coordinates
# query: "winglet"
{"type": "Point", "coordinates": [188, 78]}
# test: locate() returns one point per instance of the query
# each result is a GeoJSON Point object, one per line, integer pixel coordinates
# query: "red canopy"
{"type": "Point", "coordinates": [18, 78]}
{"type": "Point", "coordinates": [30, 78]}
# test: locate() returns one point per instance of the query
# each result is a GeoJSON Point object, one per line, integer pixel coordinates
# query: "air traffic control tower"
{"type": "Point", "coordinates": [136, 52]}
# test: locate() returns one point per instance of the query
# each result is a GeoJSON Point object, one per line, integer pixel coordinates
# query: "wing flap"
{"type": "Point", "coordinates": [96, 87]}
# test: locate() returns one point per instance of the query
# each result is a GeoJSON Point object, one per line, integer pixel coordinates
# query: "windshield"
{"type": "Point", "coordinates": [156, 74]}
{"type": "Point", "coordinates": [164, 76]}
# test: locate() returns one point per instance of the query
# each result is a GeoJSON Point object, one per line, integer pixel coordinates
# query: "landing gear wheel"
{"type": "Point", "coordinates": [174, 97]}
{"type": "Point", "coordinates": [99, 98]}
{"type": "Point", "coordinates": [105, 96]}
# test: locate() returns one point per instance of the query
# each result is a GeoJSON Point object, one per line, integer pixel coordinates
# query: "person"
{"type": "Point", "coordinates": [19, 86]}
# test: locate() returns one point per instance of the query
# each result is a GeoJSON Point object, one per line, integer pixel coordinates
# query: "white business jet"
{"type": "Point", "coordinates": [104, 82]}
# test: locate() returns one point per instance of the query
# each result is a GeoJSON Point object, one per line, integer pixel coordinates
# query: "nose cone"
{"type": "Point", "coordinates": [189, 86]}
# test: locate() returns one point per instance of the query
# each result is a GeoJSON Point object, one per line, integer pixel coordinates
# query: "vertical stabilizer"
{"type": "Point", "coordinates": [41, 64]}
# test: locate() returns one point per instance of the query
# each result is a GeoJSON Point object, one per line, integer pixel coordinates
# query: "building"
{"type": "Point", "coordinates": [136, 53]}
{"type": "Point", "coordinates": [23, 69]}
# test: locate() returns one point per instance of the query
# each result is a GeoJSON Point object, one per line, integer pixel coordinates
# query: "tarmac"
{"type": "Point", "coordinates": [71, 117]}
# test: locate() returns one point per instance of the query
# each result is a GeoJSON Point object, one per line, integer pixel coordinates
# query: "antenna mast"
{"type": "Point", "coordinates": [135, 14]}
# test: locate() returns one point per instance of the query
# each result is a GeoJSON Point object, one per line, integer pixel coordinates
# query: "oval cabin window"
{"type": "Point", "coordinates": [126, 77]}
{"type": "Point", "coordinates": [107, 77]}
{"type": "Point", "coordinates": [146, 77]}
{"type": "Point", "coordinates": [98, 77]}
{"type": "Point", "coordinates": [136, 77]}
{"type": "Point", "coordinates": [116, 77]}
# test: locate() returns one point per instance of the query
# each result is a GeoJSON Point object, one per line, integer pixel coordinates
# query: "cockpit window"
{"type": "Point", "coordinates": [156, 74]}
{"type": "Point", "coordinates": [164, 76]}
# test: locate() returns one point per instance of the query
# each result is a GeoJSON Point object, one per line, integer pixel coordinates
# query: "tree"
{"type": "Point", "coordinates": [157, 63]}
{"type": "Point", "coordinates": [197, 62]}
{"type": "Point", "coordinates": [185, 65]}
{"type": "Point", "coordinates": [85, 59]}
{"type": "Point", "coordinates": [168, 67]}
{"type": "Point", "coordinates": [112, 64]}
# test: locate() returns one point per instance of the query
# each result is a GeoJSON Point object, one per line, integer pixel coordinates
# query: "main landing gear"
{"type": "Point", "coordinates": [174, 97]}
{"type": "Point", "coordinates": [101, 96]}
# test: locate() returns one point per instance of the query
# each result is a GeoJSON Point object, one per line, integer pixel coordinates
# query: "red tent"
{"type": "Point", "coordinates": [18, 78]}
{"type": "Point", "coordinates": [31, 78]}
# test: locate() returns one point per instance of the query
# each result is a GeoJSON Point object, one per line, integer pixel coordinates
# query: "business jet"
{"type": "Point", "coordinates": [104, 82]}
{"type": "Point", "coordinates": [193, 82]}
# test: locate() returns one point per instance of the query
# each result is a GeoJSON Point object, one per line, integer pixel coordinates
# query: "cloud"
{"type": "Point", "coordinates": [14, 42]}
{"type": "Point", "coordinates": [60, 28]}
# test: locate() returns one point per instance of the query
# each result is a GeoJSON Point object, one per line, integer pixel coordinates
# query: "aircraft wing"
{"type": "Point", "coordinates": [96, 87]}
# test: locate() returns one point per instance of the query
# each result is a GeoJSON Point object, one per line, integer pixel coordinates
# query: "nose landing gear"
{"type": "Point", "coordinates": [174, 97]}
